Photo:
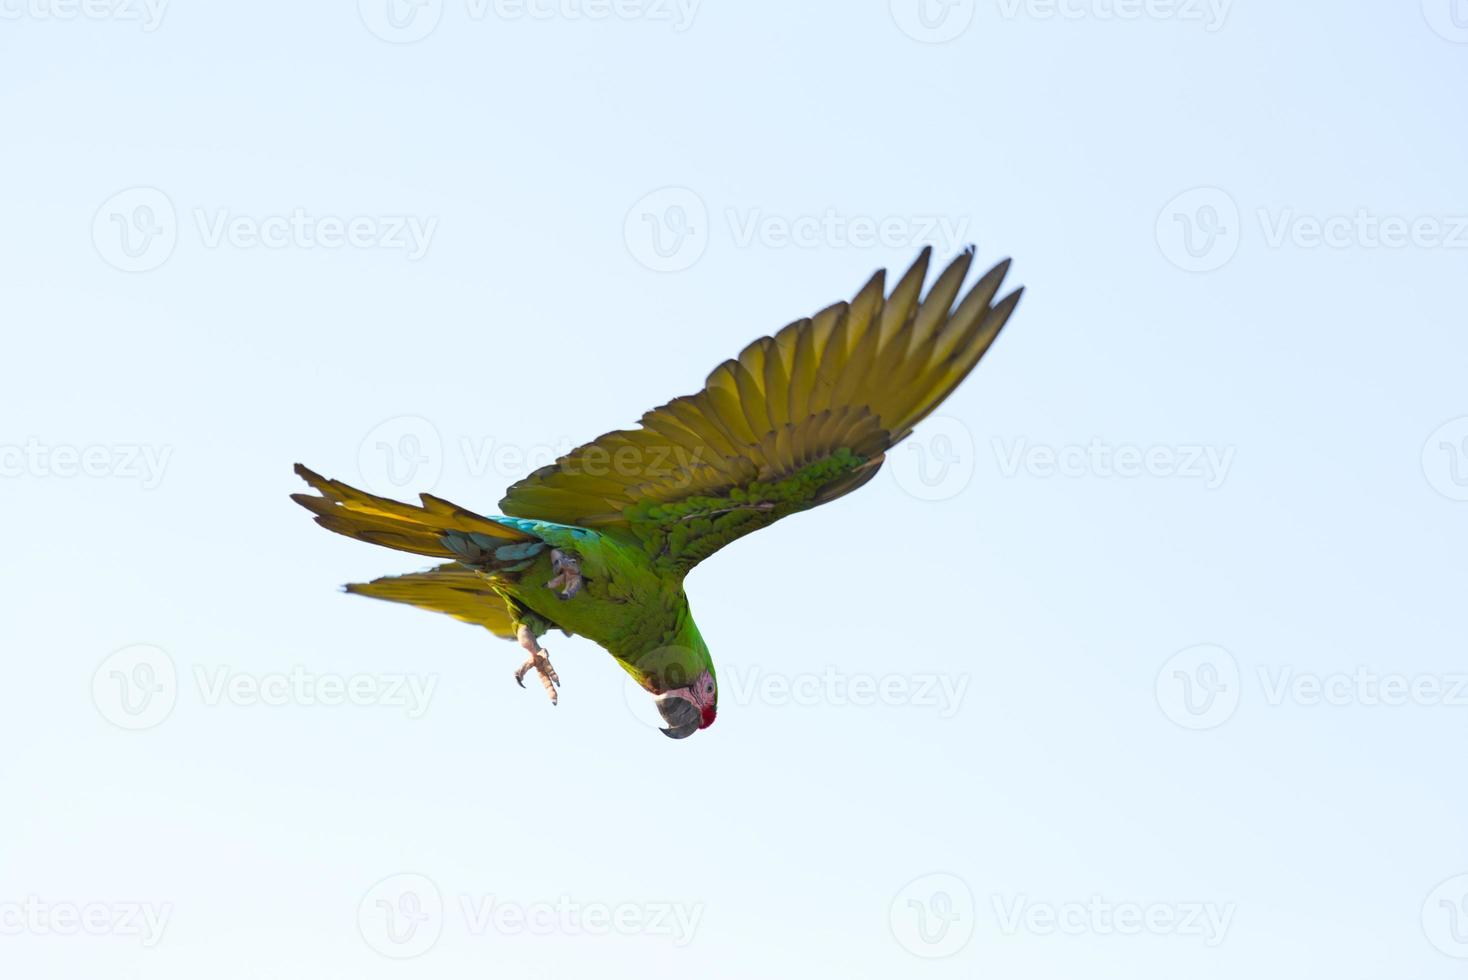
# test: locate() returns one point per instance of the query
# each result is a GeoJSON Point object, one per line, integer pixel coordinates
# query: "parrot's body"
{"type": "Point", "coordinates": [598, 543]}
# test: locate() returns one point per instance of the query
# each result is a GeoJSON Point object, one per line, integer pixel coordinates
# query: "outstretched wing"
{"type": "Point", "coordinates": [796, 420]}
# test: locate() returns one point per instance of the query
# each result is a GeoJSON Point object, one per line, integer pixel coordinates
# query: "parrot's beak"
{"type": "Point", "coordinates": [681, 714]}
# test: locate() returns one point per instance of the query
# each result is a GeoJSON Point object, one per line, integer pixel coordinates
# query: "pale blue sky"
{"type": "Point", "coordinates": [963, 721]}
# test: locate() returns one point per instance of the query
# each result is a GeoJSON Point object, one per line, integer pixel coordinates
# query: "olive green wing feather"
{"type": "Point", "coordinates": [795, 420]}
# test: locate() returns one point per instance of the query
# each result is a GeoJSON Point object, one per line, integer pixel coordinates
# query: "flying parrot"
{"type": "Point", "coordinates": [599, 542]}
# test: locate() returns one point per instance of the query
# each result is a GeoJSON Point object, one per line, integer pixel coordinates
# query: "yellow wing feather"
{"type": "Point", "coordinates": [454, 589]}
{"type": "Point", "coordinates": [378, 520]}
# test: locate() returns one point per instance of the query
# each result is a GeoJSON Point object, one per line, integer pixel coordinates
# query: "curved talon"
{"type": "Point", "coordinates": [539, 661]}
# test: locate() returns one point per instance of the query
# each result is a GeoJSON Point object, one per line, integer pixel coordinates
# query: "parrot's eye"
{"type": "Point", "coordinates": [708, 686]}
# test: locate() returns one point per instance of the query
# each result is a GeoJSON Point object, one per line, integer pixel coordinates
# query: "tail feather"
{"type": "Point", "coordinates": [453, 589]}
{"type": "Point", "coordinates": [438, 528]}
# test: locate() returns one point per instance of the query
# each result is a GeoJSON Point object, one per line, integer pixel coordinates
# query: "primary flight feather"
{"type": "Point", "coordinates": [599, 542]}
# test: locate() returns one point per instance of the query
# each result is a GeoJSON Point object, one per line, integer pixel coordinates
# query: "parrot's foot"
{"type": "Point", "coordinates": [568, 574]}
{"type": "Point", "coordinates": [539, 661]}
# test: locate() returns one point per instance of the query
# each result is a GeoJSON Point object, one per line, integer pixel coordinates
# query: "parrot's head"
{"type": "Point", "coordinates": [680, 677]}
{"type": "Point", "coordinates": [689, 709]}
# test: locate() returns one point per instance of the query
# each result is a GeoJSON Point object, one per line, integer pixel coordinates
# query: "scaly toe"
{"type": "Point", "coordinates": [541, 664]}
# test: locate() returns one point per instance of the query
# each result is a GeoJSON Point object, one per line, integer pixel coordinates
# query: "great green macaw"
{"type": "Point", "coordinates": [599, 542]}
